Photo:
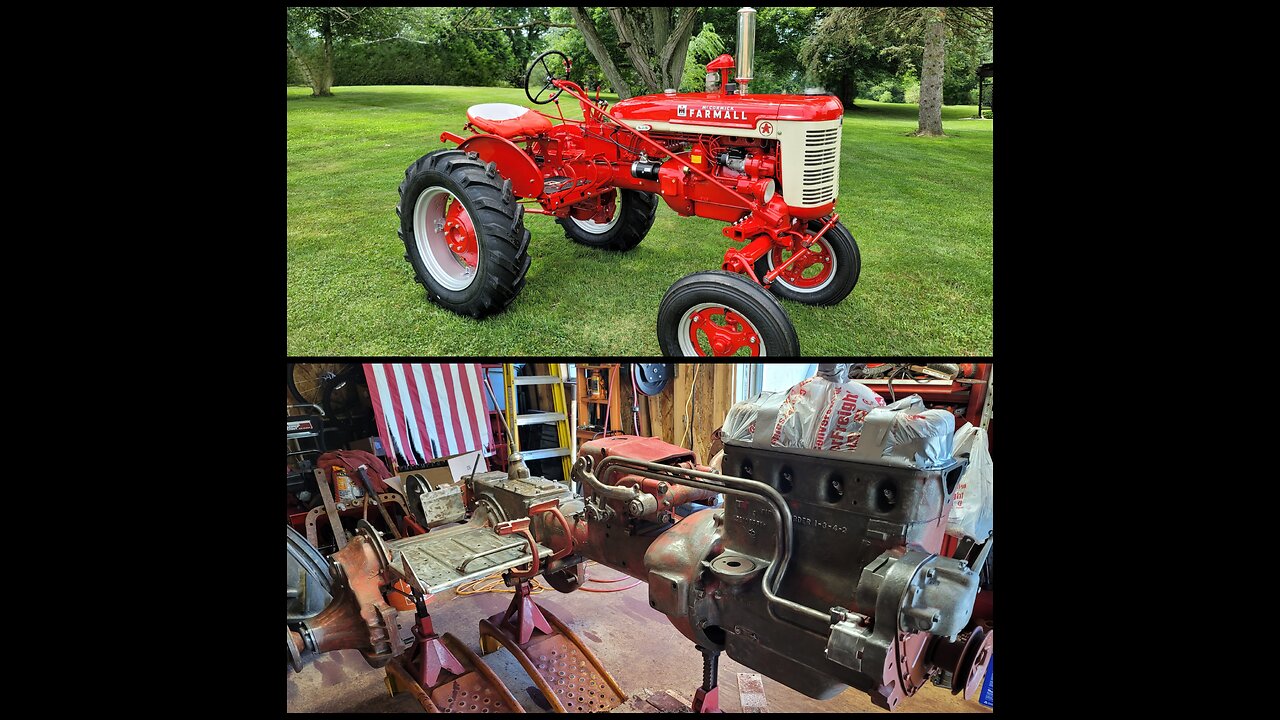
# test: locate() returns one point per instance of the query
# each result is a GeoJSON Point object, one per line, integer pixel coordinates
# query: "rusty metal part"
{"type": "Point", "coordinates": [443, 505]}
{"type": "Point", "coordinates": [373, 498]}
{"type": "Point", "coordinates": [339, 536]}
{"type": "Point", "coordinates": [295, 642]}
{"type": "Point", "coordinates": [359, 617]}
{"type": "Point", "coordinates": [436, 556]}
{"type": "Point", "coordinates": [751, 693]}
{"type": "Point", "coordinates": [477, 689]}
{"type": "Point", "coordinates": [819, 571]}
{"type": "Point", "coordinates": [568, 578]}
{"type": "Point", "coordinates": [966, 659]}
{"type": "Point", "coordinates": [308, 586]}
{"type": "Point", "coordinates": [314, 514]}
{"type": "Point", "coordinates": [484, 553]}
{"type": "Point", "coordinates": [568, 674]}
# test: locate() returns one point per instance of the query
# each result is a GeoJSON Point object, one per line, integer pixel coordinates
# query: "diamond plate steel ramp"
{"type": "Point", "coordinates": [569, 675]}
{"type": "Point", "coordinates": [478, 690]}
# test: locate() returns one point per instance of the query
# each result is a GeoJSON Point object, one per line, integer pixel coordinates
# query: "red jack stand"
{"type": "Point", "coordinates": [522, 615]}
{"type": "Point", "coordinates": [432, 655]}
{"type": "Point", "coordinates": [707, 698]}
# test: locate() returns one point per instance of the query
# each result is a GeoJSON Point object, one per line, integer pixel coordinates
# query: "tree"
{"type": "Point", "coordinates": [311, 32]}
{"type": "Point", "coordinates": [846, 25]}
{"type": "Point", "coordinates": [654, 39]}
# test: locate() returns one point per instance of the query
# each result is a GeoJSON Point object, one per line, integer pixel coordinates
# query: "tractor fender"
{"type": "Point", "coordinates": [513, 163]}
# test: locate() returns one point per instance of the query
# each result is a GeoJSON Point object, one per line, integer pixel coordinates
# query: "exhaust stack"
{"type": "Point", "coordinates": [746, 47]}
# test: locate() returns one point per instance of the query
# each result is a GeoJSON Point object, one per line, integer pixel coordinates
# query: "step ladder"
{"type": "Point", "coordinates": [559, 415]}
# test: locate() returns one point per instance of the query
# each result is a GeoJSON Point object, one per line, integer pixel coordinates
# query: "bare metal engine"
{"type": "Point", "coordinates": [818, 571]}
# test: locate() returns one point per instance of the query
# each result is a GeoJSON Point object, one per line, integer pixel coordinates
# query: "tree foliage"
{"type": "Point", "coordinates": [853, 52]}
{"type": "Point", "coordinates": [898, 30]}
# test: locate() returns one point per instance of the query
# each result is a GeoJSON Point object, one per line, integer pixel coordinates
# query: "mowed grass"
{"type": "Point", "coordinates": [921, 210]}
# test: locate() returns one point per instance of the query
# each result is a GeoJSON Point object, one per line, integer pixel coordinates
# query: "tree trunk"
{"type": "Point", "coordinates": [302, 66]}
{"type": "Point", "coordinates": [322, 78]}
{"type": "Point", "coordinates": [674, 50]}
{"type": "Point", "coordinates": [637, 48]}
{"type": "Point", "coordinates": [935, 39]}
{"type": "Point", "coordinates": [589, 33]}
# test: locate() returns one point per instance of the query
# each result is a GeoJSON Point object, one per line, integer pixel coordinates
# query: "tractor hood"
{"type": "Point", "coordinates": [718, 113]}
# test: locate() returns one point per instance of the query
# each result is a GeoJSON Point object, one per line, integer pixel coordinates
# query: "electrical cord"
{"type": "Point", "coordinates": [493, 584]}
{"type": "Point", "coordinates": [688, 407]}
{"type": "Point", "coordinates": [612, 580]}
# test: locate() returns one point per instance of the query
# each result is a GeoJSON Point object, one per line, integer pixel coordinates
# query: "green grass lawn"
{"type": "Point", "coordinates": [920, 209]}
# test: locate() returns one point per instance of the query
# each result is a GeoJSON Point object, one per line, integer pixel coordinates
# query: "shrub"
{"type": "Point", "coordinates": [885, 97]}
{"type": "Point", "coordinates": [911, 93]}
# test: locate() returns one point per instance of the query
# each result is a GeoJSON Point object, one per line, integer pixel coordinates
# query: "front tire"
{"type": "Point", "coordinates": [463, 232]}
{"type": "Point", "coordinates": [631, 221]}
{"type": "Point", "coordinates": [718, 313]}
{"type": "Point", "coordinates": [825, 280]}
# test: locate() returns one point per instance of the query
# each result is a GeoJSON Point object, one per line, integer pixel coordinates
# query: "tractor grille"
{"type": "Point", "coordinates": [821, 165]}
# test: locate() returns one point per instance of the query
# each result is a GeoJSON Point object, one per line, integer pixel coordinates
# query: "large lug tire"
{"type": "Point", "coordinates": [826, 281]}
{"type": "Point", "coordinates": [486, 276]}
{"type": "Point", "coordinates": [723, 314]}
{"type": "Point", "coordinates": [630, 223]}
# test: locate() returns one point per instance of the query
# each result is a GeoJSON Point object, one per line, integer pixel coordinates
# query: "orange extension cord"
{"type": "Point", "coordinates": [493, 583]}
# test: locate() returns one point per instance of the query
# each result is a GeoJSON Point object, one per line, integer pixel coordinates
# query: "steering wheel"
{"type": "Point", "coordinates": [540, 75]}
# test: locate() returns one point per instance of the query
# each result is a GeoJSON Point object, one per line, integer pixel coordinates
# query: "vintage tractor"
{"type": "Point", "coordinates": [769, 165]}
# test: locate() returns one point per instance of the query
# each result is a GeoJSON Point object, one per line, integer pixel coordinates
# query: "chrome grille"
{"type": "Point", "coordinates": [821, 166]}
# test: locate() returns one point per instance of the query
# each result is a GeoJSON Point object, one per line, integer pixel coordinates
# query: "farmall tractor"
{"type": "Point", "coordinates": [769, 165]}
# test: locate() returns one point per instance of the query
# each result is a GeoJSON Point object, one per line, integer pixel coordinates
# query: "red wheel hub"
{"type": "Point", "coordinates": [725, 339]}
{"type": "Point", "coordinates": [460, 234]}
{"type": "Point", "coordinates": [795, 273]}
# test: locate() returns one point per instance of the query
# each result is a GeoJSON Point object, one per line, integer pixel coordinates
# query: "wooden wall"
{"type": "Point", "coordinates": [712, 389]}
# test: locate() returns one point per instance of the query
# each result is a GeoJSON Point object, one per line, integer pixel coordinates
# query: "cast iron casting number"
{"type": "Point", "coordinates": [820, 523]}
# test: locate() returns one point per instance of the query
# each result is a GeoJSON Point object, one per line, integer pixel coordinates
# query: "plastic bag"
{"type": "Point", "coordinates": [904, 433]}
{"type": "Point", "coordinates": [971, 503]}
{"type": "Point", "coordinates": [813, 413]}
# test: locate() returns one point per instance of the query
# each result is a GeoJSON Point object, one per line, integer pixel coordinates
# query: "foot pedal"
{"type": "Point", "coordinates": [553, 185]}
{"type": "Point", "coordinates": [569, 675]}
{"type": "Point", "coordinates": [476, 690]}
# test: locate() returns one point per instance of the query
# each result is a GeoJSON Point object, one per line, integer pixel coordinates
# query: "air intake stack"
{"type": "Point", "coordinates": [746, 47]}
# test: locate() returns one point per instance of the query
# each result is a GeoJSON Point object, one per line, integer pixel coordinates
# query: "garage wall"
{"type": "Point", "coordinates": [712, 389]}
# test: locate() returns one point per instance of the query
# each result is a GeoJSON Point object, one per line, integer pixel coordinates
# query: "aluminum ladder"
{"type": "Point", "coordinates": [559, 415]}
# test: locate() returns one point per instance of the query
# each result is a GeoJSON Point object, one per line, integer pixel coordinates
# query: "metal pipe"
{"type": "Point", "coordinates": [746, 47]}
{"type": "Point", "coordinates": [582, 473]}
{"type": "Point", "coordinates": [738, 486]}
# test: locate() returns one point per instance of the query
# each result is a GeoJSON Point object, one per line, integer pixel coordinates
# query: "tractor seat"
{"type": "Point", "coordinates": [507, 120]}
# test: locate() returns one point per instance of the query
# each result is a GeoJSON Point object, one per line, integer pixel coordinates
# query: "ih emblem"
{"type": "Point", "coordinates": [766, 128]}
{"type": "Point", "coordinates": [682, 111]}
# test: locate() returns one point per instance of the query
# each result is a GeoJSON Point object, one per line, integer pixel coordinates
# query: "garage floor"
{"type": "Point", "coordinates": [636, 643]}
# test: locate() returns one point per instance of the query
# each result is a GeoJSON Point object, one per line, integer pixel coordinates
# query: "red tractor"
{"type": "Point", "coordinates": [769, 165]}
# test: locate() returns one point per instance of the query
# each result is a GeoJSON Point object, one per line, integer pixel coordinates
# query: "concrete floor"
{"type": "Point", "coordinates": [636, 643]}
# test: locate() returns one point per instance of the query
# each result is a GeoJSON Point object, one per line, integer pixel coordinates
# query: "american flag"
{"type": "Point", "coordinates": [425, 411]}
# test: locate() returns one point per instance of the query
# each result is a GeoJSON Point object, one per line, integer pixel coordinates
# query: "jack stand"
{"type": "Point", "coordinates": [522, 615]}
{"type": "Point", "coordinates": [432, 655]}
{"type": "Point", "coordinates": [707, 698]}
{"type": "Point", "coordinates": [569, 676]}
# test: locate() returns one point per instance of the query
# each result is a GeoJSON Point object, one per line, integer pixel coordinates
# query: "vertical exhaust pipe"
{"type": "Point", "coordinates": [746, 47]}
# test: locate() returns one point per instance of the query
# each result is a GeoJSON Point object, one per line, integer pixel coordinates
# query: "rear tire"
{"type": "Point", "coordinates": [840, 251]}
{"type": "Point", "coordinates": [760, 324]}
{"type": "Point", "coordinates": [502, 242]}
{"type": "Point", "coordinates": [631, 222]}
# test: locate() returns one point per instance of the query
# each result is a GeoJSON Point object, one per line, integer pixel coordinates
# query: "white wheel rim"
{"type": "Point", "coordinates": [831, 275]}
{"type": "Point", "coordinates": [688, 349]}
{"type": "Point", "coordinates": [596, 228]}
{"type": "Point", "coordinates": [442, 263]}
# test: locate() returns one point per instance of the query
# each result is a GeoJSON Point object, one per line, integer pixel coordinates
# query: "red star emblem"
{"type": "Point", "coordinates": [766, 129]}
